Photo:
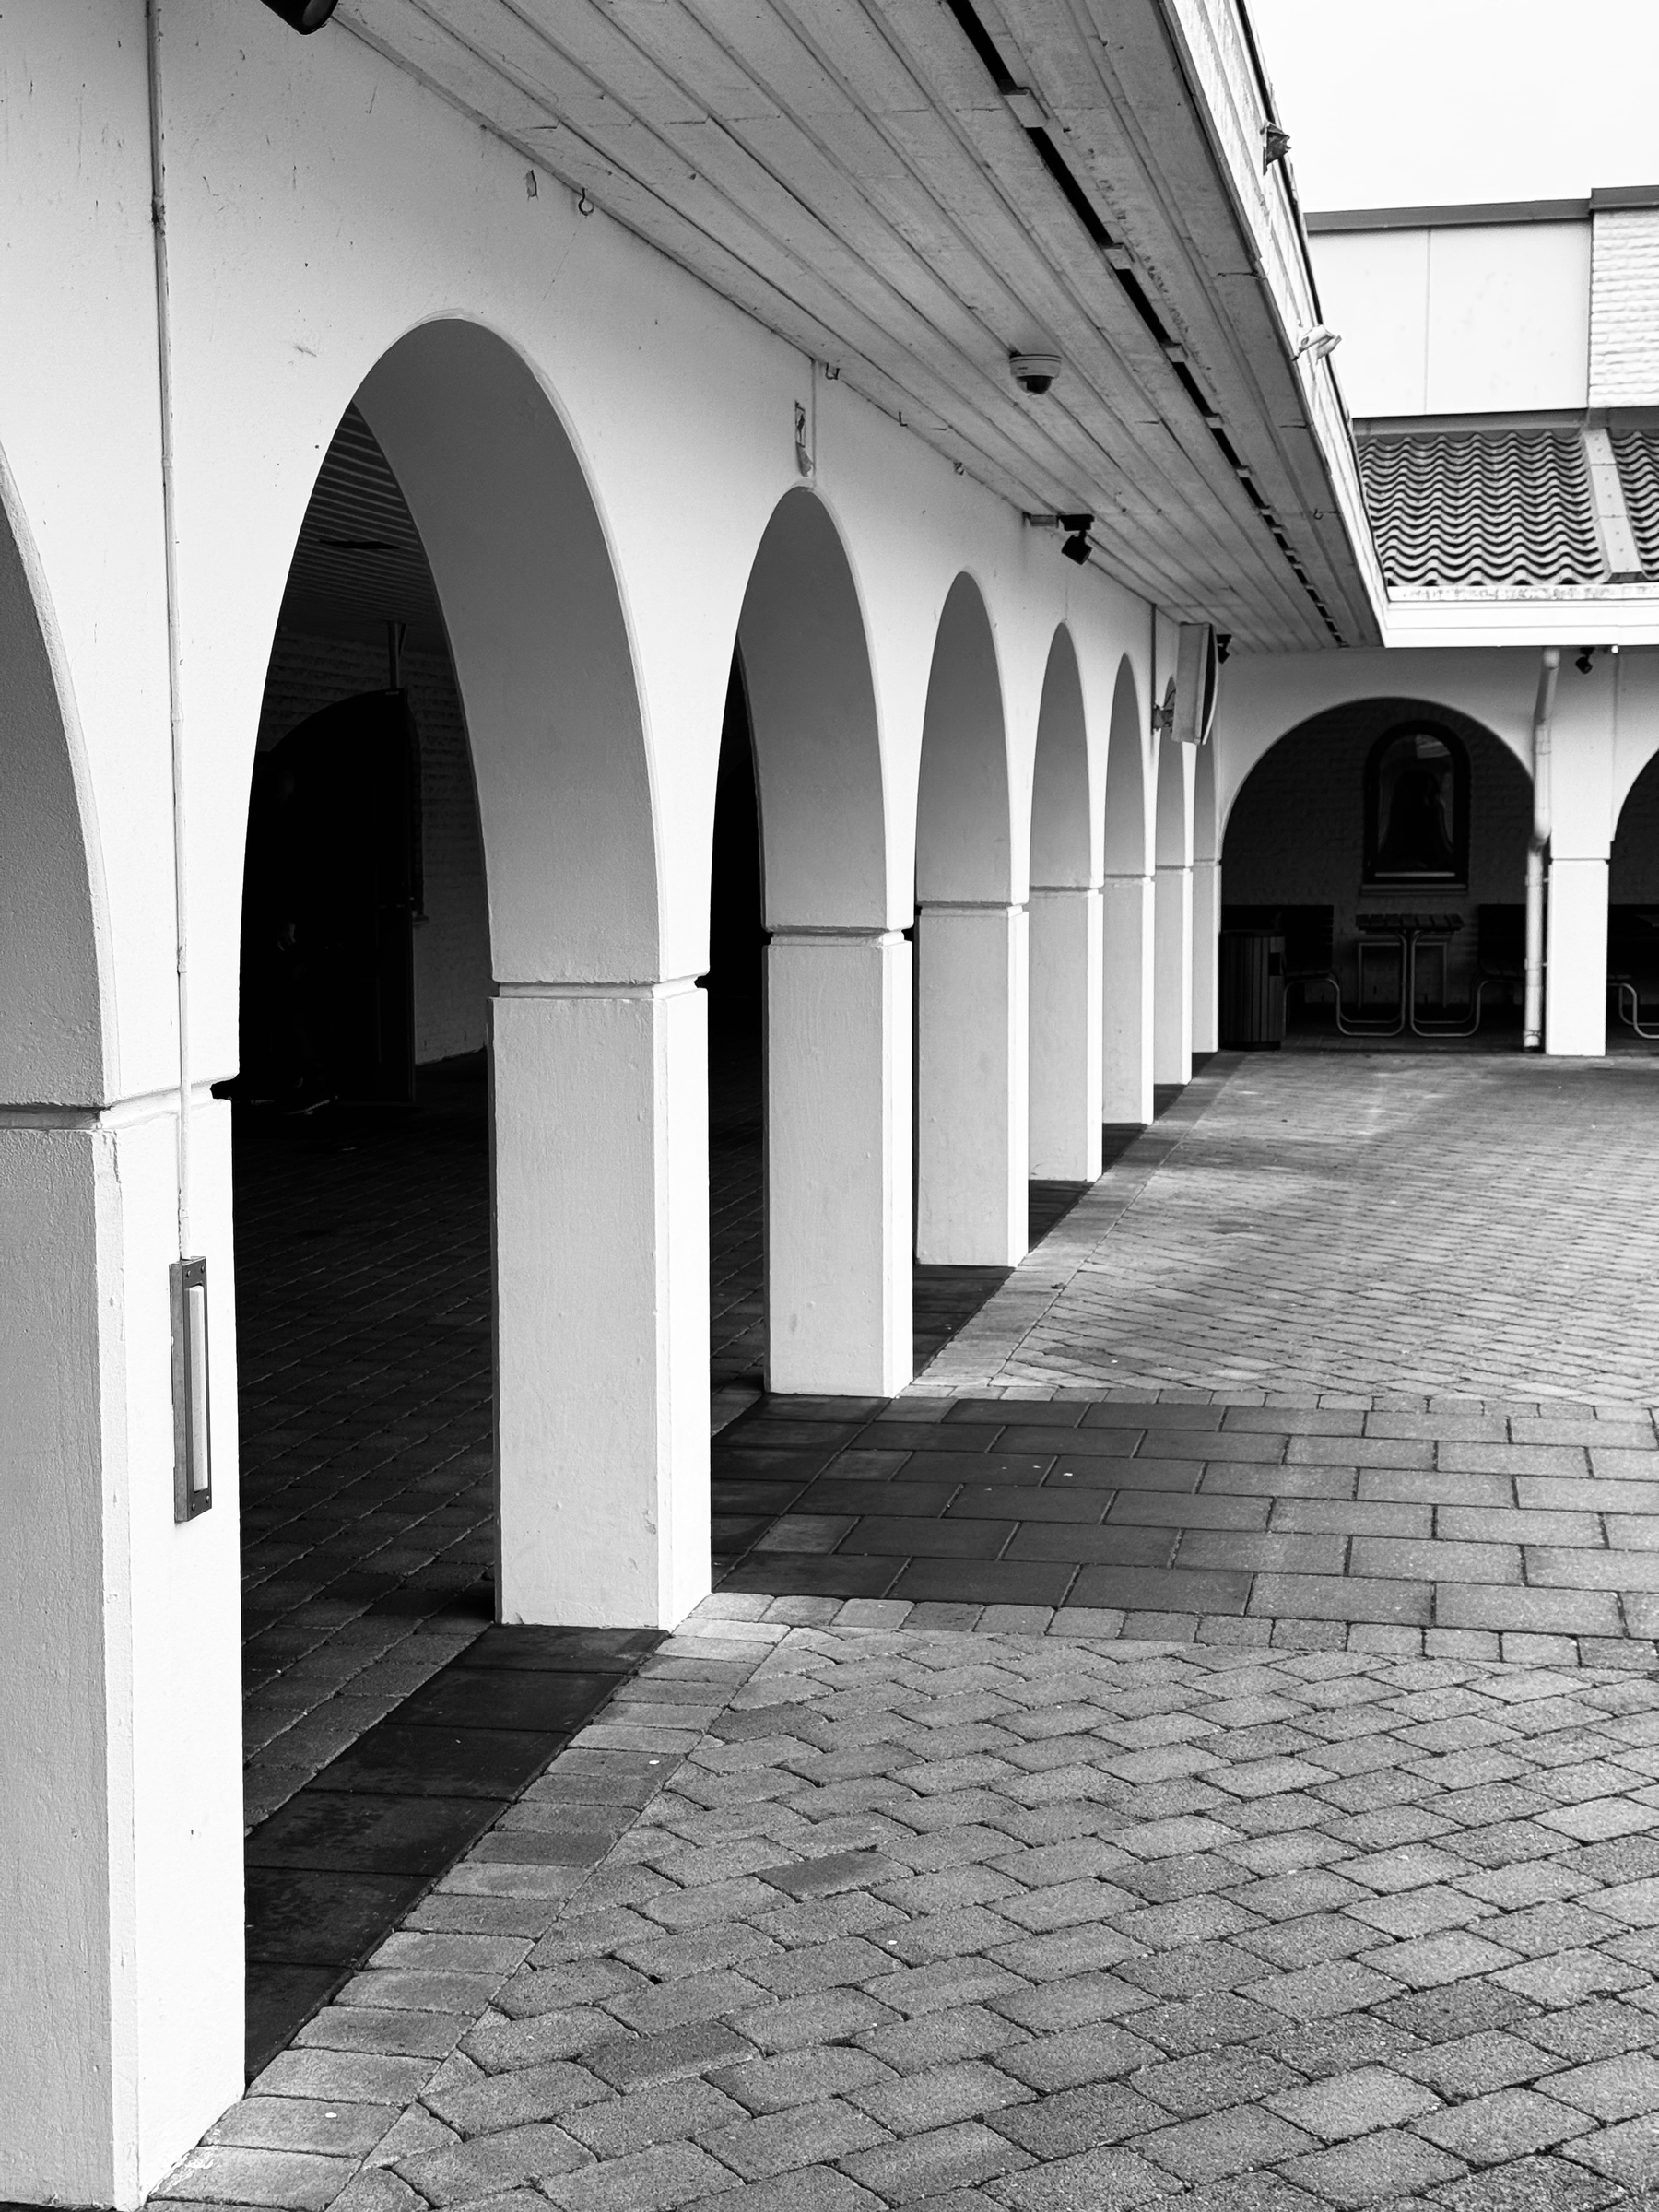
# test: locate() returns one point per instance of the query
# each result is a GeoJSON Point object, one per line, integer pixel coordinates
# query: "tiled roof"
{"type": "Point", "coordinates": [1481, 508]}
{"type": "Point", "coordinates": [1637, 452]}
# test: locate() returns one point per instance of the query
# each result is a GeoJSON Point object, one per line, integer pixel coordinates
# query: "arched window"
{"type": "Point", "coordinates": [1417, 809]}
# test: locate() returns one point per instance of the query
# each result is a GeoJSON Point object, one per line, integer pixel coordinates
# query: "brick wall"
{"type": "Point", "coordinates": [1624, 307]}
{"type": "Point", "coordinates": [452, 948]}
{"type": "Point", "coordinates": [1296, 835]}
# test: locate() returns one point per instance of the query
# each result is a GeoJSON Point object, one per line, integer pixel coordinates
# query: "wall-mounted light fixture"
{"type": "Point", "coordinates": [1276, 145]}
{"type": "Point", "coordinates": [1318, 344]}
{"type": "Point", "coordinates": [303, 16]}
{"type": "Point", "coordinates": [1585, 660]}
{"type": "Point", "coordinates": [1078, 544]}
{"type": "Point", "coordinates": [1035, 372]}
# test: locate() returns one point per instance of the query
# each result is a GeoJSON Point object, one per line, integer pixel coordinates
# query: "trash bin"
{"type": "Point", "coordinates": [1253, 990]}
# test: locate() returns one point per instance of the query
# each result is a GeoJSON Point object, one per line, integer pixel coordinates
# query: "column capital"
{"type": "Point", "coordinates": [971, 906]}
{"type": "Point", "coordinates": [666, 987]}
{"type": "Point", "coordinates": [786, 933]}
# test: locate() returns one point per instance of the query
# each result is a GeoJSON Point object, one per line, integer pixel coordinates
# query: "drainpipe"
{"type": "Point", "coordinates": [1543, 714]}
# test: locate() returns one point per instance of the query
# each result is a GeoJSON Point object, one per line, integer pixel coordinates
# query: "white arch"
{"type": "Point", "coordinates": [838, 980]}
{"type": "Point", "coordinates": [964, 834]}
{"type": "Point", "coordinates": [56, 1022]}
{"type": "Point", "coordinates": [1127, 956]}
{"type": "Point", "coordinates": [1066, 939]}
{"type": "Point", "coordinates": [541, 650]}
{"type": "Point", "coordinates": [1063, 845]}
{"type": "Point", "coordinates": [817, 745]}
{"type": "Point", "coordinates": [973, 1142]}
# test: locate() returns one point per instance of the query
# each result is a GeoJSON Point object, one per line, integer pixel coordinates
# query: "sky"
{"type": "Point", "coordinates": [1393, 103]}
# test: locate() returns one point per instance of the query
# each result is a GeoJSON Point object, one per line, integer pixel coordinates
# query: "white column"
{"type": "Point", "coordinates": [1172, 971]}
{"type": "Point", "coordinates": [1575, 979]}
{"type": "Point", "coordinates": [1126, 966]}
{"type": "Point", "coordinates": [601, 1203]}
{"type": "Point", "coordinates": [1068, 1010]}
{"type": "Point", "coordinates": [972, 1090]}
{"type": "Point", "coordinates": [838, 1162]}
{"type": "Point", "coordinates": [1206, 930]}
{"type": "Point", "coordinates": [121, 1809]}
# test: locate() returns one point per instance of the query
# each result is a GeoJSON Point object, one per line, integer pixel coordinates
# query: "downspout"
{"type": "Point", "coordinates": [1537, 846]}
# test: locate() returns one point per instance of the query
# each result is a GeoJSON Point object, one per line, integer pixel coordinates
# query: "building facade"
{"type": "Point", "coordinates": [591, 374]}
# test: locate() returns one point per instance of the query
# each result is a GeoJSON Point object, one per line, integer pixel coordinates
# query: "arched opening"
{"type": "Point", "coordinates": [1377, 852]}
{"type": "Point", "coordinates": [1128, 926]}
{"type": "Point", "coordinates": [1633, 912]}
{"type": "Point", "coordinates": [1173, 915]}
{"type": "Point", "coordinates": [1065, 941]}
{"type": "Point", "coordinates": [971, 960]}
{"type": "Point", "coordinates": [736, 987]}
{"type": "Point", "coordinates": [474, 1296]}
{"type": "Point", "coordinates": [837, 972]}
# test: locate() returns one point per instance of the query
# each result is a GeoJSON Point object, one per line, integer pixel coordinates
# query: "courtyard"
{"type": "Point", "coordinates": [1194, 1747]}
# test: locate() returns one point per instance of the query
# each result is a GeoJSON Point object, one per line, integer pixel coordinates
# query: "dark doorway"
{"type": "Point", "coordinates": [331, 897]}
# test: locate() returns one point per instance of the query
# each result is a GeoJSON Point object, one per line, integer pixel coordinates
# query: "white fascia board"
{"type": "Point", "coordinates": [1585, 615]}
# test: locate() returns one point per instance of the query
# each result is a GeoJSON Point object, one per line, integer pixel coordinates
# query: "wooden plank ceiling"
{"type": "Point", "coordinates": [910, 191]}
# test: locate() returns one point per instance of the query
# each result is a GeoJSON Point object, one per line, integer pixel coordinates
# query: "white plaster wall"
{"type": "Point", "coordinates": [302, 172]}
{"type": "Point", "coordinates": [1458, 318]}
{"type": "Point", "coordinates": [321, 206]}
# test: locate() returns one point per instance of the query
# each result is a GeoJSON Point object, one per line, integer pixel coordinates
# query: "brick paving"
{"type": "Point", "coordinates": [1472, 1226]}
{"type": "Point", "coordinates": [1229, 1784]}
{"type": "Point", "coordinates": [1486, 1529]}
{"type": "Point", "coordinates": [363, 1355]}
{"type": "Point", "coordinates": [838, 1907]}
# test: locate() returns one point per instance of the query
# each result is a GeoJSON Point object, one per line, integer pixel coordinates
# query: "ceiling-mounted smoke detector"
{"type": "Point", "coordinates": [1035, 372]}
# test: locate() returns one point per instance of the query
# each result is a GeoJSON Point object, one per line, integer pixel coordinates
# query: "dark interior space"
{"type": "Point", "coordinates": [735, 986]}
{"type": "Point", "coordinates": [1634, 914]}
{"type": "Point", "coordinates": [1374, 875]}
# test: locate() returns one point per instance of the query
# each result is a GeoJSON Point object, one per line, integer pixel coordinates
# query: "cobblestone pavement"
{"type": "Point", "coordinates": [830, 1914]}
{"type": "Point", "coordinates": [1478, 1225]}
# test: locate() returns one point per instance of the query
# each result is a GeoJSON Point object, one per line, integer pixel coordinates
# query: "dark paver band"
{"type": "Point", "coordinates": [1327, 1520]}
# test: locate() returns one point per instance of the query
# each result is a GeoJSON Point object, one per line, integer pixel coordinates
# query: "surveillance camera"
{"type": "Point", "coordinates": [1034, 372]}
{"type": "Point", "coordinates": [303, 16]}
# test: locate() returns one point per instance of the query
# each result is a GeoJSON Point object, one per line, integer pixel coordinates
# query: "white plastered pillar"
{"type": "Point", "coordinates": [121, 1801]}
{"type": "Point", "coordinates": [973, 1146]}
{"type": "Point", "coordinates": [1173, 973]}
{"type": "Point", "coordinates": [1067, 1009]}
{"type": "Point", "coordinates": [600, 1116]}
{"type": "Point", "coordinates": [838, 1162]}
{"type": "Point", "coordinates": [1579, 788]}
{"type": "Point", "coordinates": [1575, 978]}
{"type": "Point", "coordinates": [1127, 931]}
{"type": "Point", "coordinates": [1206, 930]}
